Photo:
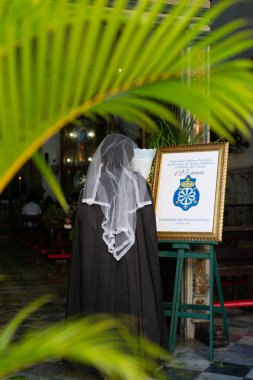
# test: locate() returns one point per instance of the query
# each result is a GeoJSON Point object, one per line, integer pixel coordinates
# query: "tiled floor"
{"type": "Point", "coordinates": [23, 279]}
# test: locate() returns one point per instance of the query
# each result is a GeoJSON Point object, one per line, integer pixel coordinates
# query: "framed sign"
{"type": "Point", "coordinates": [189, 191]}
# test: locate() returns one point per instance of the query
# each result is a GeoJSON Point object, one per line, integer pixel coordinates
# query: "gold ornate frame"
{"type": "Point", "coordinates": [219, 198]}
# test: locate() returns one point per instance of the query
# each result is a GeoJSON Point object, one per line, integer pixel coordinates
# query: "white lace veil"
{"type": "Point", "coordinates": [112, 184]}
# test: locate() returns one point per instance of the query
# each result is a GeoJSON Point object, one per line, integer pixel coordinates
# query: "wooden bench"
{"type": "Point", "coordinates": [60, 244]}
{"type": "Point", "coordinates": [56, 243]}
{"type": "Point", "coordinates": [31, 231]}
{"type": "Point", "coordinates": [59, 256]}
{"type": "Point", "coordinates": [236, 268]}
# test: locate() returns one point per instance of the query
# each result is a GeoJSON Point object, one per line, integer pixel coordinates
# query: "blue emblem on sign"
{"type": "Point", "coordinates": [187, 195]}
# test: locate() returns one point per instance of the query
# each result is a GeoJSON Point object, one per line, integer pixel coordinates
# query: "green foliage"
{"type": "Point", "coordinates": [49, 176]}
{"type": "Point", "coordinates": [98, 341]}
{"type": "Point", "coordinates": [53, 214]}
{"type": "Point", "coordinates": [171, 134]}
{"type": "Point", "coordinates": [61, 59]}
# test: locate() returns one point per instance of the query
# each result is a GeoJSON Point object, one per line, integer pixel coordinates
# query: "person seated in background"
{"type": "Point", "coordinates": [31, 211]}
{"type": "Point", "coordinates": [31, 207]}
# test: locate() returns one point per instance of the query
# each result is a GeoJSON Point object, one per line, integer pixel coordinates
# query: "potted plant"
{"type": "Point", "coordinates": [172, 134]}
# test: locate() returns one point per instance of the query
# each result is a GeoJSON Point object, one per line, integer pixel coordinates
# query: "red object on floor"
{"type": "Point", "coordinates": [59, 256]}
{"type": "Point", "coordinates": [235, 303]}
{"type": "Point", "coordinates": [44, 251]}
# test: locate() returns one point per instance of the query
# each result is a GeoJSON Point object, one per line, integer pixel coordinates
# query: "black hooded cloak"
{"type": "Point", "coordinates": [131, 286]}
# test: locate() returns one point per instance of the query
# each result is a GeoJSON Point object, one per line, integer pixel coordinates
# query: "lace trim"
{"type": "Point", "coordinates": [91, 201]}
{"type": "Point", "coordinates": [112, 234]}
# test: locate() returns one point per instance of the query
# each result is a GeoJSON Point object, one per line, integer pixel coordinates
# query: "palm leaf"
{"type": "Point", "coordinates": [61, 59]}
{"type": "Point", "coordinates": [8, 332]}
{"type": "Point", "coordinates": [50, 178]}
{"type": "Point", "coordinates": [98, 341]}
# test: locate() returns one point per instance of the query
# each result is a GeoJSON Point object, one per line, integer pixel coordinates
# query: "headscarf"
{"type": "Point", "coordinates": [120, 191]}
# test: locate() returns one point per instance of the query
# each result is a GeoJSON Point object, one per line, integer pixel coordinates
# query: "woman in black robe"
{"type": "Point", "coordinates": [114, 266]}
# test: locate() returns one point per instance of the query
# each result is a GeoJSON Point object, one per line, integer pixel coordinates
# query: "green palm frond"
{"type": "Point", "coordinates": [51, 179]}
{"type": "Point", "coordinates": [61, 59]}
{"type": "Point", "coordinates": [98, 341]}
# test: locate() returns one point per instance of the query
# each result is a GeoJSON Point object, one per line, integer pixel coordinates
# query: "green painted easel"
{"type": "Point", "coordinates": [175, 309]}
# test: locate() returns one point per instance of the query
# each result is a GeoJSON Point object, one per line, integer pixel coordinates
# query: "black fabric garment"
{"type": "Point", "coordinates": [131, 286]}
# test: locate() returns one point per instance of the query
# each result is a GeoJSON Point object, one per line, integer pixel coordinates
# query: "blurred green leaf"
{"type": "Point", "coordinates": [51, 179]}
{"type": "Point", "coordinates": [98, 341]}
{"type": "Point", "coordinates": [7, 334]}
{"type": "Point", "coordinates": [61, 59]}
